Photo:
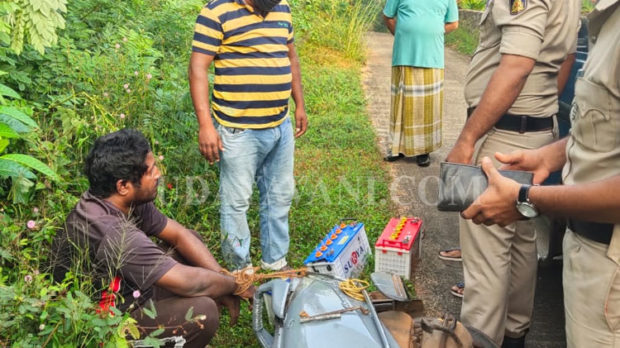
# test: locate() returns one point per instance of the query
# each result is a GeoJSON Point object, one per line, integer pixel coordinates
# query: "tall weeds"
{"type": "Point", "coordinates": [341, 26]}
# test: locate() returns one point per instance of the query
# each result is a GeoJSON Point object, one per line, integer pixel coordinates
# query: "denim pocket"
{"type": "Point", "coordinates": [230, 132]}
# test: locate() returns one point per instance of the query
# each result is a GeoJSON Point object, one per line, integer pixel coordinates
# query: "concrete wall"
{"type": "Point", "coordinates": [469, 19]}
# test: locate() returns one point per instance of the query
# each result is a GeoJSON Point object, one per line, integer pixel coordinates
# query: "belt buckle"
{"type": "Point", "coordinates": [523, 125]}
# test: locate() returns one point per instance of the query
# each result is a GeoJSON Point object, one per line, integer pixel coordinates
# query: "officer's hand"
{"type": "Point", "coordinates": [497, 204]}
{"type": "Point", "coordinates": [232, 303]}
{"type": "Point", "coordinates": [210, 143]}
{"type": "Point", "coordinates": [301, 122]}
{"type": "Point", "coordinates": [527, 160]}
{"type": "Point", "coordinates": [462, 152]}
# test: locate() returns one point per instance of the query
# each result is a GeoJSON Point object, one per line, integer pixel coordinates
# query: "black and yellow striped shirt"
{"type": "Point", "coordinates": [252, 70]}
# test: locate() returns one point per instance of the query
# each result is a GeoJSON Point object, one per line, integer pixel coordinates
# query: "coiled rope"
{"type": "Point", "coordinates": [246, 278]}
{"type": "Point", "coordinates": [354, 288]}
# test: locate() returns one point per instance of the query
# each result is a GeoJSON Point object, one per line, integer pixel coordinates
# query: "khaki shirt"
{"type": "Point", "coordinates": [544, 30]}
{"type": "Point", "coordinates": [593, 149]}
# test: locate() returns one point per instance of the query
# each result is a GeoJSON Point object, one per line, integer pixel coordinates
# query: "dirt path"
{"type": "Point", "coordinates": [412, 186]}
{"type": "Point", "coordinates": [414, 191]}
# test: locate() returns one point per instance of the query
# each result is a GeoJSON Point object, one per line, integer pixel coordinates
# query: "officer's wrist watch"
{"type": "Point", "coordinates": [524, 205]}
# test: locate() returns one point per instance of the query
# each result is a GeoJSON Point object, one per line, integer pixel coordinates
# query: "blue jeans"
{"type": "Point", "coordinates": [264, 156]}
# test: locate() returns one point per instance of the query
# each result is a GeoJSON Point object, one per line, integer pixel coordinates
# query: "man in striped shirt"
{"type": "Point", "coordinates": [246, 128]}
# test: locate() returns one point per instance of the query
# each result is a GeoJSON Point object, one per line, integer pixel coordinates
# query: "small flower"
{"type": "Point", "coordinates": [35, 210]}
{"type": "Point", "coordinates": [36, 272]}
{"type": "Point", "coordinates": [125, 86]}
{"type": "Point", "coordinates": [31, 224]}
{"type": "Point", "coordinates": [161, 157]}
{"type": "Point", "coordinates": [136, 293]}
{"type": "Point", "coordinates": [135, 73]}
{"type": "Point", "coordinates": [122, 115]}
{"type": "Point", "coordinates": [105, 94]}
{"type": "Point", "coordinates": [149, 76]}
{"type": "Point", "coordinates": [41, 327]}
{"type": "Point", "coordinates": [128, 90]}
{"type": "Point", "coordinates": [124, 39]}
{"type": "Point", "coordinates": [117, 46]}
{"type": "Point", "coordinates": [156, 142]}
{"type": "Point", "coordinates": [28, 278]}
{"type": "Point", "coordinates": [169, 186]}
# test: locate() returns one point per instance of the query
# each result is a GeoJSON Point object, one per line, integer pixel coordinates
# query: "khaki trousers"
{"type": "Point", "coordinates": [500, 263]}
{"type": "Point", "coordinates": [591, 294]}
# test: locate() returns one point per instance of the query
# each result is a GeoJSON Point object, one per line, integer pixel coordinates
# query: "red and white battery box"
{"type": "Point", "coordinates": [399, 248]}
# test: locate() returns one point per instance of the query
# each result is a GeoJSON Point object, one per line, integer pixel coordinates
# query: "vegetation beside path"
{"type": "Point", "coordinates": [123, 64]}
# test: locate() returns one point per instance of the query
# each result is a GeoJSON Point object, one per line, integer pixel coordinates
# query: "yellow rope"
{"type": "Point", "coordinates": [246, 279]}
{"type": "Point", "coordinates": [353, 288]}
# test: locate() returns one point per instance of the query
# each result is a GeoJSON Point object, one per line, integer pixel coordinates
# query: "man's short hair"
{"type": "Point", "coordinates": [116, 156]}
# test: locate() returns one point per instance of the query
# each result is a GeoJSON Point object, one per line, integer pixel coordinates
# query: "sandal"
{"type": "Point", "coordinates": [390, 158]}
{"type": "Point", "coordinates": [423, 160]}
{"type": "Point", "coordinates": [458, 289]}
{"type": "Point", "coordinates": [452, 254]}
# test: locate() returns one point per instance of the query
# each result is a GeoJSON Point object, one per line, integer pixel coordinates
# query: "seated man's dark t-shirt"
{"type": "Point", "coordinates": [116, 245]}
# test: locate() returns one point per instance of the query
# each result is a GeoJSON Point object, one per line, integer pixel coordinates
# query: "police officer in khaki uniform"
{"type": "Point", "coordinates": [590, 197]}
{"type": "Point", "coordinates": [511, 89]}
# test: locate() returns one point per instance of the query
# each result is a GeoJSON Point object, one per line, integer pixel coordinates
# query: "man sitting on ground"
{"type": "Point", "coordinates": [111, 226]}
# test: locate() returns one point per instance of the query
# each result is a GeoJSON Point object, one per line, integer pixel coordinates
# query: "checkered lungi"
{"type": "Point", "coordinates": [416, 110]}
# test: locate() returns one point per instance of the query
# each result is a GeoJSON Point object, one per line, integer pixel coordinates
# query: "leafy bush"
{"type": "Point", "coordinates": [124, 64]}
{"type": "Point", "coordinates": [478, 5]}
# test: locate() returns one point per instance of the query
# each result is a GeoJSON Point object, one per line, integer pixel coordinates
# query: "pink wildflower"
{"type": "Point", "coordinates": [149, 76]}
{"type": "Point", "coordinates": [136, 293]}
{"type": "Point", "coordinates": [135, 73]}
{"type": "Point", "coordinates": [117, 46]}
{"type": "Point", "coordinates": [122, 115]}
{"type": "Point", "coordinates": [31, 224]}
{"type": "Point", "coordinates": [161, 157]}
{"type": "Point", "coordinates": [28, 278]}
{"type": "Point", "coordinates": [105, 94]}
{"type": "Point", "coordinates": [125, 86]}
{"type": "Point", "coordinates": [128, 90]}
{"type": "Point", "coordinates": [35, 210]}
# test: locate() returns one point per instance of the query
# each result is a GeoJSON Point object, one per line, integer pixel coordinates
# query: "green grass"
{"type": "Point", "coordinates": [338, 169]}
{"type": "Point", "coordinates": [463, 39]}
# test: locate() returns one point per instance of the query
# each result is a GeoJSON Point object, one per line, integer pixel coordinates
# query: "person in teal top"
{"type": "Point", "coordinates": [417, 75]}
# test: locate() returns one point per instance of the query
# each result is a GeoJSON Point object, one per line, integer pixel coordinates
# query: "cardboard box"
{"type": "Point", "coordinates": [343, 252]}
{"type": "Point", "coordinates": [399, 248]}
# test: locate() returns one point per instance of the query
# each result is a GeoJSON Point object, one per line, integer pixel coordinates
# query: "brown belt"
{"type": "Point", "coordinates": [598, 232]}
{"type": "Point", "coordinates": [521, 123]}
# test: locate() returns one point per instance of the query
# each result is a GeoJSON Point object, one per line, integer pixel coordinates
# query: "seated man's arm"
{"type": "Point", "coordinates": [196, 281]}
{"type": "Point", "coordinates": [188, 246]}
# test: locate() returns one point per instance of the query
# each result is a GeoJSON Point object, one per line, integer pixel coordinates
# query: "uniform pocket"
{"type": "Point", "coordinates": [490, 34]}
{"type": "Point", "coordinates": [612, 303]}
{"type": "Point", "coordinates": [596, 126]}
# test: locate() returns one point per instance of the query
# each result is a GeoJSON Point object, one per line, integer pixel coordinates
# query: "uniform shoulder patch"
{"type": "Point", "coordinates": [517, 6]}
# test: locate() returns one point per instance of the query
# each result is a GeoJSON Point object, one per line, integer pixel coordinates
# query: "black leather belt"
{"type": "Point", "coordinates": [598, 232]}
{"type": "Point", "coordinates": [521, 123]}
